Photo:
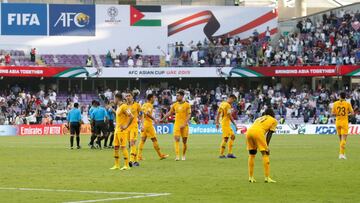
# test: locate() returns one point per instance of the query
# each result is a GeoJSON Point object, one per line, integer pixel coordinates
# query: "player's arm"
{"type": "Point", "coordinates": [171, 112]}
{"type": "Point", "coordinates": [268, 136]}
{"type": "Point", "coordinates": [270, 132]}
{"type": "Point", "coordinates": [188, 116]}
{"type": "Point", "coordinates": [232, 119]}
{"type": "Point", "coordinates": [128, 113]}
{"type": "Point", "coordinates": [217, 120]}
{"type": "Point", "coordinates": [351, 110]}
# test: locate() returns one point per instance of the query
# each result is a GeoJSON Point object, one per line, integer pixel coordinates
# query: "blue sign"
{"type": "Point", "coordinates": [204, 129]}
{"type": "Point", "coordinates": [72, 20]}
{"type": "Point", "coordinates": [8, 130]}
{"type": "Point", "coordinates": [23, 19]}
{"type": "Point", "coordinates": [164, 128]}
{"type": "Point", "coordinates": [325, 130]}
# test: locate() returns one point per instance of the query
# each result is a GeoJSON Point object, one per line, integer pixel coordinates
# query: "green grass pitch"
{"type": "Point", "coordinates": [306, 168]}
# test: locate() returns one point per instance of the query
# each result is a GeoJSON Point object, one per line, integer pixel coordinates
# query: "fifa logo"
{"type": "Point", "coordinates": [23, 19]}
{"type": "Point", "coordinates": [78, 19]}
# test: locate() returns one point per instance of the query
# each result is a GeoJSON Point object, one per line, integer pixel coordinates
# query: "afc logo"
{"type": "Point", "coordinates": [68, 19]}
{"type": "Point", "coordinates": [23, 19]}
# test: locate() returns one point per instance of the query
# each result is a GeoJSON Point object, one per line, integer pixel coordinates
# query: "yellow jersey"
{"type": "Point", "coordinates": [263, 124]}
{"type": "Point", "coordinates": [147, 108]}
{"type": "Point", "coordinates": [225, 110]}
{"type": "Point", "coordinates": [182, 110]}
{"type": "Point", "coordinates": [122, 116]}
{"type": "Point", "coordinates": [135, 109]}
{"type": "Point", "coordinates": [342, 109]}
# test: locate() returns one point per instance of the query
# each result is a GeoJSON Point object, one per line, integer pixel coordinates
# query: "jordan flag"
{"type": "Point", "coordinates": [145, 15]}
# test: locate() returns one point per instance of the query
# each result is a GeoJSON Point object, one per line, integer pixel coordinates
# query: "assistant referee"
{"type": "Point", "coordinates": [74, 122]}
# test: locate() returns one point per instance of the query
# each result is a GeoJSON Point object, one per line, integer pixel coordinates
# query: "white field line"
{"type": "Point", "coordinates": [120, 198]}
{"type": "Point", "coordinates": [135, 194]}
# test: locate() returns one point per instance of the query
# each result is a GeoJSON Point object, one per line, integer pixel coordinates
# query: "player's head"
{"type": "Point", "coordinates": [96, 103]}
{"type": "Point", "coordinates": [342, 95]}
{"type": "Point", "coordinates": [180, 95]}
{"type": "Point", "coordinates": [118, 98]}
{"type": "Point", "coordinates": [93, 102]}
{"type": "Point", "coordinates": [76, 105]}
{"type": "Point", "coordinates": [129, 97]}
{"type": "Point", "coordinates": [231, 98]}
{"type": "Point", "coordinates": [269, 112]}
{"type": "Point", "coordinates": [150, 98]}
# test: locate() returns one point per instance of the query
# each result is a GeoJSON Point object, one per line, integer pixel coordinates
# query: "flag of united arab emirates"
{"type": "Point", "coordinates": [145, 15]}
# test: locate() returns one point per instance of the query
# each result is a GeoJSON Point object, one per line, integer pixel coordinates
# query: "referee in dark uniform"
{"type": "Point", "coordinates": [74, 122]}
{"type": "Point", "coordinates": [100, 117]}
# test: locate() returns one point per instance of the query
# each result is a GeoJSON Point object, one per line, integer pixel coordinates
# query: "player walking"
{"type": "Point", "coordinates": [123, 121]}
{"type": "Point", "coordinates": [224, 112]}
{"type": "Point", "coordinates": [147, 129]}
{"type": "Point", "coordinates": [182, 110]}
{"type": "Point", "coordinates": [342, 109]}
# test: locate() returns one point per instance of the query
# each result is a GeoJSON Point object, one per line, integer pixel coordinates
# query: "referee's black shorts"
{"type": "Point", "coordinates": [75, 128]}
{"type": "Point", "coordinates": [111, 127]}
{"type": "Point", "coordinates": [100, 127]}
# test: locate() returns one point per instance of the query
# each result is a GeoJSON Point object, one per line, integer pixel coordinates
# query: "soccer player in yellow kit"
{"type": "Point", "coordinates": [135, 109]}
{"type": "Point", "coordinates": [147, 129]}
{"type": "Point", "coordinates": [123, 121]}
{"type": "Point", "coordinates": [182, 110]}
{"type": "Point", "coordinates": [342, 109]}
{"type": "Point", "coordinates": [224, 112]}
{"type": "Point", "coordinates": [255, 140]}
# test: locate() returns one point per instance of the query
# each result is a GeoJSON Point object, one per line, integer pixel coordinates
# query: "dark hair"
{"type": "Point", "coordinates": [130, 92]}
{"type": "Point", "coordinates": [93, 102]}
{"type": "Point", "coordinates": [270, 112]}
{"type": "Point", "coordinates": [76, 105]}
{"type": "Point", "coordinates": [181, 92]}
{"type": "Point", "coordinates": [149, 96]}
{"type": "Point", "coordinates": [119, 96]}
{"type": "Point", "coordinates": [342, 95]}
{"type": "Point", "coordinates": [232, 96]}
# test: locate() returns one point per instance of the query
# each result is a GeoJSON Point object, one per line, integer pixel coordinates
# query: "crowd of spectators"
{"type": "Point", "coordinates": [303, 105]}
{"type": "Point", "coordinates": [332, 40]}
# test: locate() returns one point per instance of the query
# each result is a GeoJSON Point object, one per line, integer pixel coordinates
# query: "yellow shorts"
{"type": "Point", "coordinates": [342, 128]}
{"type": "Point", "coordinates": [120, 138]}
{"type": "Point", "coordinates": [181, 132]}
{"type": "Point", "coordinates": [149, 131]}
{"type": "Point", "coordinates": [255, 140]}
{"type": "Point", "coordinates": [133, 133]}
{"type": "Point", "coordinates": [227, 131]}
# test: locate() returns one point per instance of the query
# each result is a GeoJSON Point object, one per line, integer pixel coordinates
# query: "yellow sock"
{"type": "Point", "coordinates": [177, 148]}
{"type": "Point", "coordinates": [230, 146]}
{"type": "Point", "coordinates": [342, 146]}
{"type": "Point", "coordinates": [157, 148]}
{"type": "Point", "coordinates": [126, 156]}
{"type": "Point", "coordinates": [184, 148]}
{"type": "Point", "coordinates": [222, 147]}
{"type": "Point", "coordinates": [251, 163]}
{"type": "Point", "coordinates": [266, 163]}
{"type": "Point", "coordinates": [133, 153]}
{"type": "Point", "coordinates": [140, 148]}
{"type": "Point", "coordinates": [116, 156]}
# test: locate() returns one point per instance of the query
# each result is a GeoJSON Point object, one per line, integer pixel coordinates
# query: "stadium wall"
{"type": "Point", "coordinates": [166, 129]}
{"type": "Point", "coordinates": [95, 29]}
